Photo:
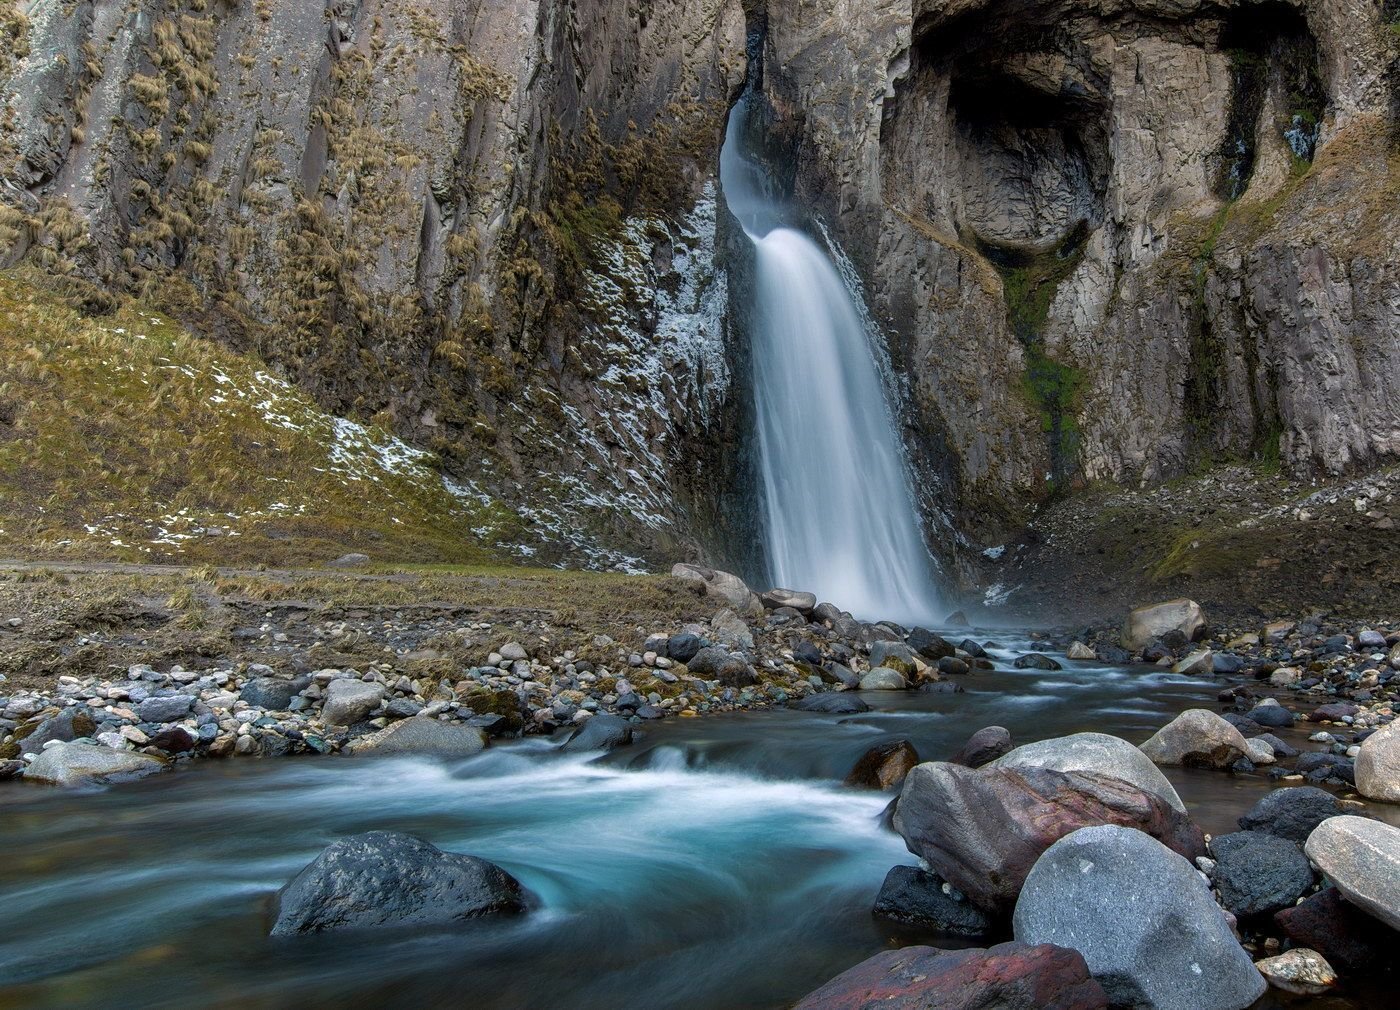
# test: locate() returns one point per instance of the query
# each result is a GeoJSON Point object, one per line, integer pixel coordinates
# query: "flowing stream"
{"type": "Point", "coordinates": [838, 505]}
{"type": "Point", "coordinates": [716, 864]}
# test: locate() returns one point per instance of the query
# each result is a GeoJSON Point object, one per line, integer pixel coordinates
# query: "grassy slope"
{"type": "Point", "coordinates": [122, 435]}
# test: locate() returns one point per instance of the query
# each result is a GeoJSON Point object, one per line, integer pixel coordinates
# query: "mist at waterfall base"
{"type": "Point", "coordinates": [839, 517]}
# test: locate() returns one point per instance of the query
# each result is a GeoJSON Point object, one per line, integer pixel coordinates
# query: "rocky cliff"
{"type": "Point", "coordinates": [1110, 242]}
{"type": "Point", "coordinates": [483, 223]}
{"type": "Point", "coordinates": [1113, 241]}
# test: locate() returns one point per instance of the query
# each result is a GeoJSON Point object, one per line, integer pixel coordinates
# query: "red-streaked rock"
{"type": "Point", "coordinates": [1010, 976]}
{"type": "Point", "coordinates": [983, 829]}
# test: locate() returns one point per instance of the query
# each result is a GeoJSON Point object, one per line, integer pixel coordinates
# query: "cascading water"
{"type": "Point", "coordinates": [839, 514]}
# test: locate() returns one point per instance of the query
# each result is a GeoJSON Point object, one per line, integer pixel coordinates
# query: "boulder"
{"type": "Point", "coordinates": [972, 648]}
{"type": "Point", "coordinates": [714, 663]}
{"type": "Point", "coordinates": [1378, 765]}
{"type": "Point", "coordinates": [732, 630]}
{"type": "Point", "coordinates": [1271, 714]}
{"type": "Point", "coordinates": [1301, 971]}
{"type": "Point", "coordinates": [602, 732]}
{"type": "Point", "coordinates": [929, 645]}
{"type": "Point", "coordinates": [384, 878]}
{"type": "Point", "coordinates": [1291, 813]}
{"type": "Point", "coordinates": [166, 708]}
{"type": "Point", "coordinates": [10, 770]}
{"type": "Point", "coordinates": [419, 735]}
{"type": "Point", "coordinates": [918, 899]}
{"type": "Point", "coordinates": [1094, 752]}
{"type": "Point", "coordinates": [1197, 664]}
{"type": "Point", "coordinates": [1340, 932]}
{"type": "Point", "coordinates": [70, 724]}
{"type": "Point", "coordinates": [349, 700]}
{"type": "Point", "coordinates": [78, 764]}
{"type": "Point", "coordinates": [271, 693]}
{"type": "Point", "coordinates": [832, 703]}
{"type": "Point", "coordinates": [1036, 661]}
{"type": "Point", "coordinates": [953, 666]}
{"type": "Point", "coordinates": [882, 678]}
{"type": "Point", "coordinates": [683, 647]}
{"type": "Point", "coordinates": [982, 830]}
{"type": "Point", "coordinates": [983, 747]}
{"type": "Point", "coordinates": [1258, 874]}
{"type": "Point", "coordinates": [350, 561]}
{"type": "Point", "coordinates": [1080, 651]}
{"type": "Point", "coordinates": [883, 766]}
{"type": "Point", "coordinates": [1258, 752]}
{"type": "Point", "coordinates": [842, 674]}
{"type": "Point", "coordinates": [1334, 712]}
{"type": "Point", "coordinates": [1197, 738]}
{"type": "Point", "coordinates": [1009, 976]}
{"type": "Point", "coordinates": [173, 739]}
{"type": "Point", "coordinates": [1143, 918]}
{"type": "Point", "coordinates": [1361, 858]}
{"type": "Point", "coordinates": [724, 586]}
{"type": "Point", "coordinates": [1148, 623]}
{"type": "Point", "coordinates": [803, 603]}
{"type": "Point", "coordinates": [895, 655]}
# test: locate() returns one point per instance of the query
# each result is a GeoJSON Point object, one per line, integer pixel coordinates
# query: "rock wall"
{"type": "Point", "coordinates": [456, 216]}
{"type": "Point", "coordinates": [1111, 241]}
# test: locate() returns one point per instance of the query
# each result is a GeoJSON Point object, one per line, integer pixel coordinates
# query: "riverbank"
{"type": "Point", "coordinates": [166, 666]}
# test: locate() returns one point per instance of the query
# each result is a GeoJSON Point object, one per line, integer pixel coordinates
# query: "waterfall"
{"type": "Point", "coordinates": [839, 517]}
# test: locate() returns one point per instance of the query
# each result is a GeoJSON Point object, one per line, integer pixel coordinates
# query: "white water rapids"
{"type": "Point", "coordinates": [839, 512]}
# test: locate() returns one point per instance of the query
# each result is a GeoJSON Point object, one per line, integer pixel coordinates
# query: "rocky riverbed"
{"type": "Point", "coordinates": [1305, 703]}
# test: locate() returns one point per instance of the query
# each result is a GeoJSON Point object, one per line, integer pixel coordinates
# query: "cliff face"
{"type": "Point", "coordinates": [1112, 241]}
{"type": "Point", "coordinates": [481, 222]}
{"type": "Point", "coordinates": [1106, 242]}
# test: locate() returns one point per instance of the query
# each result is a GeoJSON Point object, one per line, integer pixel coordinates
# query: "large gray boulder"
{"type": "Point", "coordinates": [1378, 765]}
{"type": "Point", "coordinates": [603, 731]}
{"type": "Point", "coordinates": [1148, 623]}
{"type": "Point", "coordinates": [1094, 752]}
{"type": "Point", "coordinates": [348, 701]}
{"type": "Point", "coordinates": [1143, 918]}
{"type": "Point", "coordinates": [983, 829]}
{"type": "Point", "coordinates": [883, 678]}
{"type": "Point", "coordinates": [385, 878]}
{"type": "Point", "coordinates": [1361, 857]}
{"type": "Point", "coordinates": [79, 764]}
{"type": "Point", "coordinates": [1197, 738]}
{"type": "Point", "coordinates": [421, 735]}
{"type": "Point", "coordinates": [803, 603]}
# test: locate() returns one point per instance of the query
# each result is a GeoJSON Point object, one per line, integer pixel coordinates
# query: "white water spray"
{"type": "Point", "coordinates": [840, 519]}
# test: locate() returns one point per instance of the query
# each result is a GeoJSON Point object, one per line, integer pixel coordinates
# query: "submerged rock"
{"type": "Point", "coordinates": [1305, 972]}
{"type": "Point", "coordinates": [832, 703]}
{"type": "Point", "coordinates": [385, 878]}
{"type": "Point", "coordinates": [1340, 931]}
{"type": "Point", "coordinates": [1009, 976]}
{"type": "Point", "coordinates": [602, 732]}
{"type": "Point", "coordinates": [1036, 661]}
{"type": "Point", "coordinates": [1197, 738]}
{"type": "Point", "coordinates": [79, 764]}
{"type": "Point", "coordinates": [916, 898]}
{"type": "Point", "coordinates": [884, 766]}
{"type": "Point", "coordinates": [982, 830]}
{"type": "Point", "coordinates": [1142, 917]}
{"type": "Point", "coordinates": [982, 748]}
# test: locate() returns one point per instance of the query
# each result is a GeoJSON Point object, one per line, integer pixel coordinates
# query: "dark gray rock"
{"type": "Point", "coordinates": [1271, 716]}
{"type": "Point", "coordinates": [832, 703]}
{"type": "Point", "coordinates": [1036, 661]}
{"type": "Point", "coordinates": [271, 693]}
{"type": "Point", "coordinates": [384, 878]}
{"type": "Point", "coordinates": [1281, 747]}
{"type": "Point", "coordinates": [1292, 813]}
{"type": "Point", "coordinates": [602, 732]}
{"type": "Point", "coordinates": [913, 897]}
{"type": "Point", "coordinates": [169, 708]}
{"type": "Point", "coordinates": [402, 708]}
{"type": "Point", "coordinates": [970, 647]}
{"type": "Point", "coordinates": [953, 666]}
{"type": "Point", "coordinates": [929, 645]}
{"type": "Point", "coordinates": [807, 652]}
{"type": "Point", "coordinates": [984, 747]}
{"type": "Point", "coordinates": [1259, 874]}
{"type": "Point", "coordinates": [1226, 664]}
{"type": "Point", "coordinates": [1143, 918]}
{"type": "Point", "coordinates": [714, 663]}
{"type": "Point", "coordinates": [844, 675]}
{"type": "Point", "coordinates": [70, 724]}
{"type": "Point", "coordinates": [174, 739]}
{"type": "Point", "coordinates": [682, 648]}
